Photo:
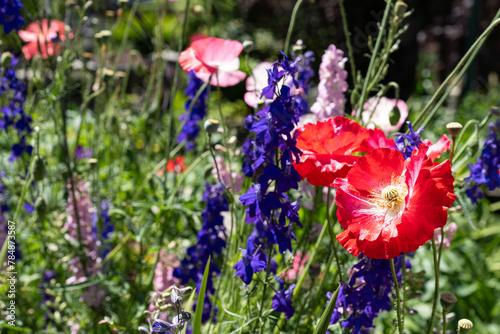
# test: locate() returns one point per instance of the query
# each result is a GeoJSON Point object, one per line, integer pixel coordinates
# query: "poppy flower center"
{"type": "Point", "coordinates": [392, 196]}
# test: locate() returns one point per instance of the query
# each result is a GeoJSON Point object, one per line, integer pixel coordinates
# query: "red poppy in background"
{"type": "Point", "coordinates": [388, 206]}
{"type": "Point", "coordinates": [175, 165]}
{"type": "Point", "coordinates": [215, 58]}
{"type": "Point", "coordinates": [327, 148]}
{"type": "Point", "coordinates": [43, 39]}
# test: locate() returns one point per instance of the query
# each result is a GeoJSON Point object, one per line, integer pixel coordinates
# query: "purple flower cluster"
{"type": "Point", "coordinates": [106, 231]}
{"type": "Point", "coordinates": [367, 293]}
{"type": "Point", "coordinates": [486, 169]}
{"type": "Point", "coordinates": [12, 116]}
{"type": "Point", "coordinates": [211, 242]}
{"type": "Point", "coordinates": [282, 300]}
{"type": "Point", "coordinates": [47, 298]}
{"type": "Point", "coordinates": [305, 73]}
{"type": "Point", "coordinates": [406, 143]}
{"type": "Point", "coordinates": [191, 128]}
{"type": "Point", "coordinates": [10, 15]}
{"type": "Point", "coordinates": [271, 153]}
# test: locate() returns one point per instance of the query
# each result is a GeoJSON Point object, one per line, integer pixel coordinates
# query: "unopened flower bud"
{"type": "Point", "coordinates": [41, 208]}
{"type": "Point", "coordinates": [6, 59]}
{"type": "Point", "coordinates": [314, 270]}
{"type": "Point", "coordinates": [495, 111]}
{"type": "Point", "coordinates": [247, 46]}
{"type": "Point", "coordinates": [448, 300]}
{"type": "Point", "coordinates": [464, 326]}
{"type": "Point", "coordinates": [39, 169]}
{"type": "Point", "coordinates": [93, 161]}
{"type": "Point", "coordinates": [454, 129]}
{"type": "Point", "coordinates": [400, 8]}
{"type": "Point", "coordinates": [211, 125]}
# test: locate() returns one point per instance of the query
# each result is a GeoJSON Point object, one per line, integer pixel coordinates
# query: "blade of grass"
{"type": "Point", "coordinates": [327, 315]}
{"type": "Point", "coordinates": [201, 300]}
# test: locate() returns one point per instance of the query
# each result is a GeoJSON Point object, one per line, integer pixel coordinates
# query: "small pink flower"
{"type": "Point", "coordinates": [213, 59]}
{"type": "Point", "coordinates": [230, 177]}
{"type": "Point", "coordinates": [43, 39]}
{"type": "Point", "coordinates": [377, 111]}
{"type": "Point", "coordinates": [449, 232]}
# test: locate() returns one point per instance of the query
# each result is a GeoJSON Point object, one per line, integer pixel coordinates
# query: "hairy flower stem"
{"type": "Point", "coordinates": [459, 71]}
{"type": "Point", "coordinates": [348, 41]}
{"type": "Point", "coordinates": [292, 23]}
{"type": "Point", "coordinates": [173, 92]}
{"type": "Point", "coordinates": [366, 80]}
{"type": "Point", "coordinates": [332, 235]}
{"type": "Point", "coordinates": [436, 286]}
{"type": "Point", "coordinates": [398, 300]}
{"type": "Point", "coordinates": [269, 257]}
{"type": "Point", "coordinates": [444, 321]}
{"type": "Point", "coordinates": [403, 306]}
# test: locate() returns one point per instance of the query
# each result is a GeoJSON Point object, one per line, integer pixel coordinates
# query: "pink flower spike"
{"type": "Point", "coordinates": [43, 39]}
{"type": "Point", "coordinates": [449, 232]}
{"type": "Point", "coordinates": [435, 150]}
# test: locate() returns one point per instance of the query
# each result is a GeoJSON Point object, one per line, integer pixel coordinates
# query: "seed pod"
{"type": "Point", "coordinates": [314, 270]}
{"type": "Point", "coordinates": [448, 300]}
{"type": "Point", "coordinates": [464, 326]}
{"type": "Point", "coordinates": [454, 129]}
{"type": "Point", "coordinates": [211, 125]}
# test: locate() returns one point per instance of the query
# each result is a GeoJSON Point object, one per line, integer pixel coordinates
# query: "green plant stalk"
{"type": "Point", "coordinates": [471, 53]}
{"type": "Point", "coordinates": [348, 41]}
{"type": "Point", "coordinates": [201, 300]}
{"type": "Point", "coordinates": [292, 23]}
{"type": "Point", "coordinates": [173, 90]}
{"type": "Point", "coordinates": [403, 306]}
{"type": "Point", "coordinates": [332, 235]}
{"type": "Point", "coordinates": [269, 257]}
{"type": "Point", "coordinates": [436, 287]}
{"type": "Point", "coordinates": [366, 81]}
{"type": "Point", "coordinates": [322, 326]}
{"type": "Point", "coordinates": [398, 300]}
{"type": "Point", "coordinates": [444, 321]}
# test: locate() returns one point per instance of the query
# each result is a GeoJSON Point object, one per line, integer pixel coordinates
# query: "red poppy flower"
{"type": "Point", "coordinates": [388, 206]}
{"type": "Point", "coordinates": [175, 165]}
{"type": "Point", "coordinates": [327, 148]}
{"type": "Point", "coordinates": [207, 56]}
{"type": "Point", "coordinates": [43, 39]}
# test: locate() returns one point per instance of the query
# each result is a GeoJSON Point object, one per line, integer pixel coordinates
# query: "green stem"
{"type": "Point", "coordinates": [292, 23]}
{"type": "Point", "coordinates": [398, 301]}
{"type": "Point", "coordinates": [463, 64]}
{"type": "Point", "coordinates": [348, 41]}
{"type": "Point", "coordinates": [444, 321]}
{"type": "Point", "coordinates": [269, 257]}
{"type": "Point", "coordinates": [332, 235]}
{"type": "Point", "coordinates": [436, 287]}
{"type": "Point", "coordinates": [366, 81]}
{"type": "Point", "coordinates": [403, 306]}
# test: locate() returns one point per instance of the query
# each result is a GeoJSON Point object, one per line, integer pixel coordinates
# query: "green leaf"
{"type": "Point", "coordinates": [465, 207]}
{"type": "Point", "coordinates": [201, 300]}
{"type": "Point", "coordinates": [322, 326]}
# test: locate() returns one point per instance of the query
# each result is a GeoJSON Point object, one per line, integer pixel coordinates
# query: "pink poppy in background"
{"type": "Point", "coordinates": [449, 231]}
{"type": "Point", "coordinates": [213, 59]}
{"type": "Point", "coordinates": [43, 39]}
{"type": "Point", "coordinates": [377, 112]}
{"type": "Point", "coordinates": [255, 83]}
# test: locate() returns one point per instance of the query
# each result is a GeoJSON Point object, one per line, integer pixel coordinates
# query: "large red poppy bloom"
{"type": "Point", "coordinates": [43, 39]}
{"type": "Point", "coordinates": [215, 58]}
{"type": "Point", "coordinates": [388, 206]}
{"type": "Point", "coordinates": [328, 146]}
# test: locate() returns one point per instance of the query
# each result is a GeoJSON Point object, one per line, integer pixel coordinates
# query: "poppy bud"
{"type": "Point", "coordinates": [39, 169]}
{"type": "Point", "coordinates": [314, 270]}
{"type": "Point", "coordinates": [5, 59]}
{"type": "Point", "coordinates": [464, 326]}
{"type": "Point", "coordinates": [41, 208]}
{"type": "Point", "coordinates": [495, 111]}
{"type": "Point", "coordinates": [247, 46]}
{"type": "Point", "coordinates": [448, 300]}
{"type": "Point", "coordinates": [211, 125]}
